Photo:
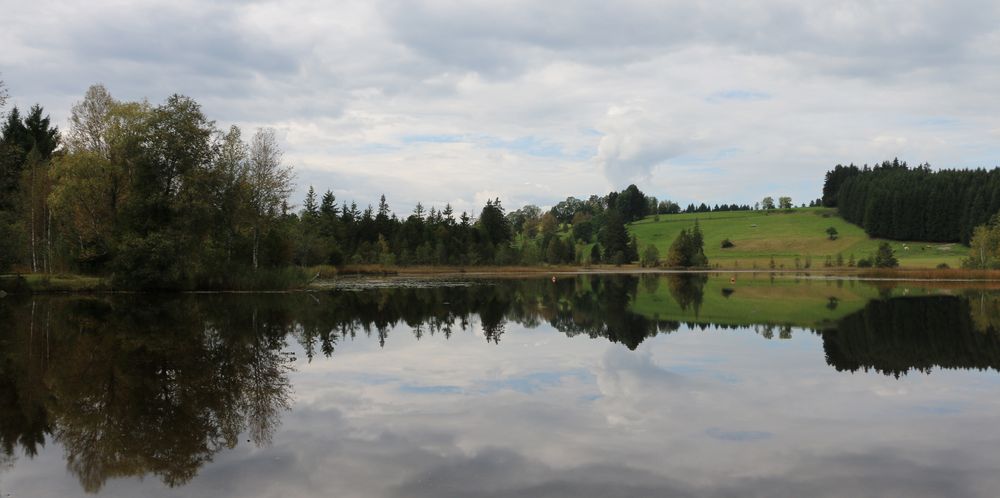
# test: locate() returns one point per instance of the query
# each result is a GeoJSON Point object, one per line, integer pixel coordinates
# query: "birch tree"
{"type": "Point", "coordinates": [268, 184]}
{"type": "Point", "coordinates": [90, 121]}
{"type": "Point", "coordinates": [3, 96]}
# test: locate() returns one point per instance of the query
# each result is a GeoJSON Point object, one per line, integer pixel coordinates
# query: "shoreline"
{"type": "Point", "coordinates": [325, 279]}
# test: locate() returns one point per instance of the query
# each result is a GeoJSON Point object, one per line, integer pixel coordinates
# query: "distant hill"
{"type": "Point", "coordinates": [786, 235]}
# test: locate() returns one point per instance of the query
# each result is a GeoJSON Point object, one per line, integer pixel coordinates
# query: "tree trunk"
{"type": "Point", "coordinates": [48, 240]}
{"type": "Point", "coordinates": [31, 213]}
{"type": "Point", "coordinates": [256, 239]}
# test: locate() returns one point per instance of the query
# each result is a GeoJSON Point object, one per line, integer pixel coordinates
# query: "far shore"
{"type": "Point", "coordinates": [888, 274]}
{"type": "Point", "coordinates": [326, 277]}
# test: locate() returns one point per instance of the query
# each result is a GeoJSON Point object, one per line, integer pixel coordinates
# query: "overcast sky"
{"type": "Point", "coordinates": [533, 101]}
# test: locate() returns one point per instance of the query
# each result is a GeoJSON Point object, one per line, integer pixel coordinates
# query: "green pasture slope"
{"type": "Point", "coordinates": [785, 235]}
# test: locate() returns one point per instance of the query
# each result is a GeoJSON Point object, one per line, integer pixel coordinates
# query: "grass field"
{"type": "Point", "coordinates": [785, 235]}
{"type": "Point", "coordinates": [51, 283]}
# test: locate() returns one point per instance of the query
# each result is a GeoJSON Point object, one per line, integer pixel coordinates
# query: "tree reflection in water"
{"type": "Point", "coordinates": [140, 385]}
{"type": "Point", "coordinates": [895, 336]}
{"type": "Point", "coordinates": [134, 385]}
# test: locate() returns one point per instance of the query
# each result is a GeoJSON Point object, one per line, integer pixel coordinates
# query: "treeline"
{"type": "Point", "coordinates": [155, 196]}
{"type": "Point", "coordinates": [329, 233]}
{"type": "Point", "coordinates": [705, 208]}
{"type": "Point", "coordinates": [159, 197]}
{"type": "Point", "coordinates": [573, 231]}
{"type": "Point", "coordinates": [892, 200]}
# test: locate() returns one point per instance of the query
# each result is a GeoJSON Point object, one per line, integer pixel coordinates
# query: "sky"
{"type": "Point", "coordinates": [462, 101]}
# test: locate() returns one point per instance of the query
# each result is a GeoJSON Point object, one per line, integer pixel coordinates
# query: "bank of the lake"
{"type": "Point", "coordinates": [325, 277]}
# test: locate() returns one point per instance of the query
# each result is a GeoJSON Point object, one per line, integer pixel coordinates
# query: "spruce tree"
{"type": "Point", "coordinates": [595, 254]}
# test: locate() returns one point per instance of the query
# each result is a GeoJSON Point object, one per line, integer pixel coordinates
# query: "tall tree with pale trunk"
{"type": "Point", "coordinates": [269, 184]}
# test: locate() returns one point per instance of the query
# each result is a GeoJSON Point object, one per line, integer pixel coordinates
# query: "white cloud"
{"type": "Point", "coordinates": [635, 142]}
{"type": "Point", "coordinates": [713, 101]}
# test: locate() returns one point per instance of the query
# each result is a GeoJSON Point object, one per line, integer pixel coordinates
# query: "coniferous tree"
{"type": "Point", "coordinates": [614, 237]}
{"type": "Point", "coordinates": [688, 250]}
{"type": "Point", "coordinates": [595, 254]}
{"type": "Point", "coordinates": [633, 249]}
{"type": "Point", "coordinates": [310, 209]}
{"type": "Point", "coordinates": [885, 257]}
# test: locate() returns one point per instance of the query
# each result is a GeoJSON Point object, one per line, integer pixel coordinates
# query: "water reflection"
{"type": "Point", "coordinates": [157, 386]}
{"type": "Point", "coordinates": [895, 336]}
{"type": "Point", "coordinates": [137, 385]}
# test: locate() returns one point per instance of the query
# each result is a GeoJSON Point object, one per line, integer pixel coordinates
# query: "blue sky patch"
{"type": "Point", "coordinates": [737, 436]}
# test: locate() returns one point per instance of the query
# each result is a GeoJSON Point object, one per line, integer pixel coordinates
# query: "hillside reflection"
{"type": "Point", "coordinates": [133, 385]}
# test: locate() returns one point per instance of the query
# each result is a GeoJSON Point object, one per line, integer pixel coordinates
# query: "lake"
{"type": "Point", "coordinates": [615, 385]}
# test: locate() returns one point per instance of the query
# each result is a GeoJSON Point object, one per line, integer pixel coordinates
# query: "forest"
{"type": "Point", "coordinates": [894, 201]}
{"type": "Point", "coordinates": [154, 195]}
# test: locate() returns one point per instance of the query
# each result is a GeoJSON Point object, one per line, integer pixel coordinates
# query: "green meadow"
{"type": "Point", "coordinates": [792, 237]}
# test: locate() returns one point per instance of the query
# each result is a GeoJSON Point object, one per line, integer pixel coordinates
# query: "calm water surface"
{"type": "Point", "coordinates": [590, 386]}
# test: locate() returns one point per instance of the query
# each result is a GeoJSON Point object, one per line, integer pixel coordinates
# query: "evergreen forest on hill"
{"type": "Point", "coordinates": [894, 201]}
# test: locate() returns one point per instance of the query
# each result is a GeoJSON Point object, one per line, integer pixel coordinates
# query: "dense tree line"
{"type": "Point", "coordinates": [159, 197]}
{"type": "Point", "coordinates": [334, 234]}
{"type": "Point", "coordinates": [895, 201]}
{"type": "Point", "coordinates": [156, 196]}
{"type": "Point", "coordinates": [705, 208]}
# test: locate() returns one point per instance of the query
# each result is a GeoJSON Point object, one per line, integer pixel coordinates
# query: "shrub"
{"type": "Point", "coordinates": [650, 257]}
{"type": "Point", "coordinates": [152, 263]}
{"type": "Point", "coordinates": [335, 256]}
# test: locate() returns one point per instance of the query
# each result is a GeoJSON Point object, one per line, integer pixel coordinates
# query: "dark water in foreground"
{"type": "Point", "coordinates": [592, 386]}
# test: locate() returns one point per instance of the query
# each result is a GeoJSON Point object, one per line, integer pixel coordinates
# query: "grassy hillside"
{"type": "Point", "coordinates": [785, 235]}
